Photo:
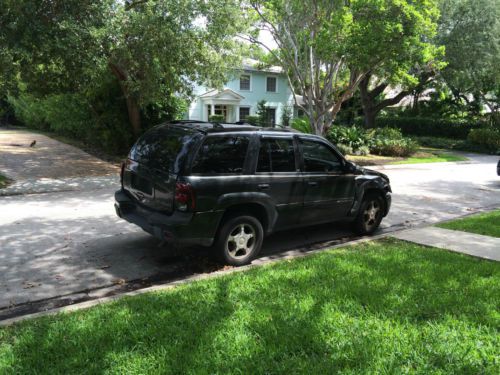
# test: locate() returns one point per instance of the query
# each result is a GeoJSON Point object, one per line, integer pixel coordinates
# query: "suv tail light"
{"type": "Point", "coordinates": [184, 196]}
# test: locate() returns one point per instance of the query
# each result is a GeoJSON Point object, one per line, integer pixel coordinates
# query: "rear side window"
{"type": "Point", "coordinates": [159, 148]}
{"type": "Point", "coordinates": [221, 155]}
{"type": "Point", "coordinates": [319, 158]}
{"type": "Point", "coordinates": [276, 155]}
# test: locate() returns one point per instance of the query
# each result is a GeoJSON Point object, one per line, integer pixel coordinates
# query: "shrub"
{"type": "Point", "coordinates": [363, 151]}
{"type": "Point", "coordinates": [302, 125]}
{"type": "Point", "coordinates": [344, 149]}
{"type": "Point", "coordinates": [427, 126]}
{"type": "Point", "coordinates": [253, 120]}
{"type": "Point", "coordinates": [352, 136]}
{"type": "Point", "coordinates": [394, 147]}
{"type": "Point", "coordinates": [487, 138]}
{"type": "Point", "coordinates": [386, 133]}
{"type": "Point", "coordinates": [216, 118]}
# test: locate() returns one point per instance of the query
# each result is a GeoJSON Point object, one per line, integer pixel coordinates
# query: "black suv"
{"type": "Point", "coordinates": [228, 186]}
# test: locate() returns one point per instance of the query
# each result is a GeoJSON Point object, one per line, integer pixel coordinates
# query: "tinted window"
{"type": "Point", "coordinates": [276, 155]}
{"type": "Point", "coordinates": [159, 148]}
{"type": "Point", "coordinates": [319, 158]}
{"type": "Point", "coordinates": [221, 155]}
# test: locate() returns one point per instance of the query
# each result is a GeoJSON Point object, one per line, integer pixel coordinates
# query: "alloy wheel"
{"type": "Point", "coordinates": [241, 241]}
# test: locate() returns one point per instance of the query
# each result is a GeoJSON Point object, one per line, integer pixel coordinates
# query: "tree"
{"type": "Point", "coordinates": [328, 47]}
{"type": "Point", "coordinates": [154, 48]}
{"type": "Point", "coordinates": [470, 31]}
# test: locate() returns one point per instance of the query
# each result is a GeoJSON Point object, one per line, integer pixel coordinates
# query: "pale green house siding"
{"type": "Point", "coordinates": [278, 100]}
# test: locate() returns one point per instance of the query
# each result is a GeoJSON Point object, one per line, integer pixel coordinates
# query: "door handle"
{"type": "Point", "coordinates": [263, 186]}
{"type": "Point", "coordinates": [312, 183]}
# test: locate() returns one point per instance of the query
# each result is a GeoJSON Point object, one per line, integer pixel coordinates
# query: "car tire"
{"type": "Point", "coordinates": [239, 240]}
{"type": "Point", "coordinates": [370, 214]}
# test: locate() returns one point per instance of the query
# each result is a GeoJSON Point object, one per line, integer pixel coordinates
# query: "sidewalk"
{"type": "Point", "coordinates": [477, 245]}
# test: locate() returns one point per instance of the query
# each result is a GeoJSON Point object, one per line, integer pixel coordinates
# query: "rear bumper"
{"type": "Point", "coordinates": [184, 228]}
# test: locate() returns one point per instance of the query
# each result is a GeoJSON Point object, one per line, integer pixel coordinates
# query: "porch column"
{"type": "Point", "coordinates": [212, 110]}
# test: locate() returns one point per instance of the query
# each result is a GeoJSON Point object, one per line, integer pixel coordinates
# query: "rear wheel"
{"type": "Point", "coordinates": [239, 240]}
{"type": "Point", "coordinates": [370, 214]}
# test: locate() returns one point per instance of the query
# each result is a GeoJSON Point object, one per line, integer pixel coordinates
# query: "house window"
{"type": "Point", "coordinates": [244, 113]}
{"type": "Point", "coordinates": [271, 84]}
{"type": "Point", "coordinates": [219, 110]}
{"type": "Point", "coordinates": [245, 82]}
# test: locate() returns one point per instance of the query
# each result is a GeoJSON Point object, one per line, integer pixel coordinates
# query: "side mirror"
{"type": "Point", "coordinates": [350, 167]}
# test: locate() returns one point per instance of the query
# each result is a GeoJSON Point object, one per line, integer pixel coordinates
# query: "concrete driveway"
{"type": "Point", "coordinates": [71, 242]}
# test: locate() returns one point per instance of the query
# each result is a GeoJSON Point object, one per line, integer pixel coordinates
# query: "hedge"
{"type": "Point", "coordinates": [426, 126]}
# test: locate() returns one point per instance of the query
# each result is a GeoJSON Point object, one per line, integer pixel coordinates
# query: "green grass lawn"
{"type": "Point", "coordinates": [4, 181]}
{"type": "Point", "coordinates": [381, 307]}
{"type": "Point", "coordinates": [423, 155]}
{"type": "Point", "coordinates": [430, 155]}
{"type": "Point", "coordinates": [487, 224]}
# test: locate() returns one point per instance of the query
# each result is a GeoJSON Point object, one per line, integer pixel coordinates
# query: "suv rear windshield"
{"type": "Point", "coordinates": [160, 147]}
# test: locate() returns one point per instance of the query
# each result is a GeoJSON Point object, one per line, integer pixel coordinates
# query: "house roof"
{"type": "Point", "coordinates": [226, 94]}
{"type": "Point", "coordinates": [257, 66]}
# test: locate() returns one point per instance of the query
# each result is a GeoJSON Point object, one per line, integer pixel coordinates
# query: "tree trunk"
{"type": "Point", "coordinates": [367, 102]}
{"type": "Point", "coordinates": [133, 109]}
{"type": "Point", "coordinates": [134, 115]}
{"type": "Point", "coordinates": [370, 117]}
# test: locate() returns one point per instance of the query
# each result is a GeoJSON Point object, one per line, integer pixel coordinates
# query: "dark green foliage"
{"type": "Point", "coordinates": [261, 114]}
{"type": "Point", "coordinates": [428, 126]}
{"type": "Point", "coordinates": [487, 138]}
{"type": "Point", "coordinates": [216, 118]}
{"type": "Point", "coordinates": [286, 115]}
{"type": "Point", "coordinates": [394, 147]}
{"type": "Point", "coordinates": [302, 124]}
{"type": "Point", "coordinates": [351, 136]}
{"type": "Point", "coordinates": [381, 141]}
{"type": "Point", "coordinates": [253, 120]}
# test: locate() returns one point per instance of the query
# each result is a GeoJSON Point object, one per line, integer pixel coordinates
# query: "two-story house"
{"type": "Point", "coordinates": [239, 97]}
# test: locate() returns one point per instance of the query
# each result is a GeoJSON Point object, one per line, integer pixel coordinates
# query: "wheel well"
{"type": "Point", "coordinates": [253, 209]}
{"type": "Point", "coordinates": [374, 191]}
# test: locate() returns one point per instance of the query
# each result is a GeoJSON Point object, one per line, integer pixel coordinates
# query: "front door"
{"type": "Point", "coordinates": [329, 191]}
{"type": "Point", "coordinates": [277, 175]}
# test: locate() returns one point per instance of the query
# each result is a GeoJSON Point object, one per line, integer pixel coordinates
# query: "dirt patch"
{"type": "Point", "coordinates": [25, 155]}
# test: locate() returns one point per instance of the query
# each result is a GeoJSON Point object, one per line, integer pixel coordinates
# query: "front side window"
{"type": "Point", "coordinates": [276, 155]}
{"type": "Point", "coordinates": [221, 155]}
{"type": "Point", "coordinates": [318, 157]}
{"type": "Point", "coordinates": [245, 82]}
{"type": "Point", "coordinates": [271, 84]}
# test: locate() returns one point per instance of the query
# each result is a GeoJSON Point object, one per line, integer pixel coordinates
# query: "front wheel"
{"type": "Point", "coordinates": [239, 240]}
{"type": "Point", "coordinates": [370, 214]}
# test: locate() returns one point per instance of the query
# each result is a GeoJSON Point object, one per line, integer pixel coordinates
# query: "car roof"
{"type": "Point", "coordinates": [215, 127]}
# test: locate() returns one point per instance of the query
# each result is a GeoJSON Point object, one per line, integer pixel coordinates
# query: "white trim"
{"type": "Point", "coordinates": [276, 78]}
{"type": "Point", "coordinates": [239, 81]}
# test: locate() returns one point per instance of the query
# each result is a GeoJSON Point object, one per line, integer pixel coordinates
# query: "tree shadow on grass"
{"type": "Point", "coordinates": [375, 309]}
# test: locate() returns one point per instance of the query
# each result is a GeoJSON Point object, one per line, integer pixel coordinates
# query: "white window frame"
{"type": "Point", "coordinates": [239, 82]}
{"type": "Point", "coordinates": [276, 80]}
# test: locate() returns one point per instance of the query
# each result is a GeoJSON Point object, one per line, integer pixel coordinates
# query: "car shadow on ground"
{"type": "Point", "coordinates": [64, 257]}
